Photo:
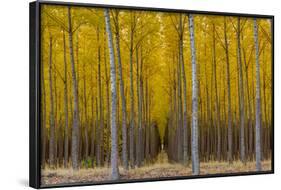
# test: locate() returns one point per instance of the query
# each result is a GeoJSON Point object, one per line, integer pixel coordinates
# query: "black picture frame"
{"type": "Point", "coordinates": [34, 90]}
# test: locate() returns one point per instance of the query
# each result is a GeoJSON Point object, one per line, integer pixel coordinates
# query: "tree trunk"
{"type": "Point", "coordinates": [249, 107]}
{"type": "Point", "coordinates": [132, 160]}
{"type": "Point", "coordinates": [44, 117]}
{"type": "Point", "coordinates": [100, 128]}
{"type": "Point", "coordinates": [75, 127]}
{"type": "Point", "coordinates": [179, 123]}
{"type": "Point", "coordinates": [263, 127]}
{"type": "Point", "coordinates": [92, 149]}
{"type": "Point", "coordinates": [97, 131]}
{"type": "Point", "coordinates": [241, 97]}
{"type": "Point", "coordinates": [92, 152]}
{"type": "Point", "coordinates": [208, 106]}
{"type": "Point", "coordinates": [114, 145]}
{"type": "Point", "coordinates": [140, 99]}
{"type": "Point", "coordinates": [139, 110]}
{"type": "Point", "coordinates": [86, 136]}
{"type": "Point", "coordinates": [107, 104]}
{"type": "Point", "coordinates": [65, 105]}
{"type": "Point", "coordinates": [56, 126]}
{"type": "Point", "coordinates": [80, 138]}
{"type": "Point", "coordinates": [181, 58]}
{"type": "Point", "coordinates": [258, 101]}
{"type": "Point", "coordinates": [218, 119]}
{"type": "Point", "coordinates": [123, 98]}
{"type": "Point", "coordinates": [195, 155]}
{"type": "Point", "coordinates": [229, 131]}
{"type": "Point", "coordinates": [52, 122]}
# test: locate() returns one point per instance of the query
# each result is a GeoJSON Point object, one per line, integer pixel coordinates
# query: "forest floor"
{"type": "Point", "coordinates": [161, 168]}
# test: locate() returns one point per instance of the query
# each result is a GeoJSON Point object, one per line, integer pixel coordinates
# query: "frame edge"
{"type": "Point", "coordinates": [34, 167]}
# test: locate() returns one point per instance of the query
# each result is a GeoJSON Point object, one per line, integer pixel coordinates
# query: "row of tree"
{"type": "Point", "coordinates": [226, 123]}
{"type": "Point", "coordinates": [118, 85]}
{"type": "Point", "coordinates": [79, 121]}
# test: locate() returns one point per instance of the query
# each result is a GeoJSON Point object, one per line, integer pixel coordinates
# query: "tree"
{"type": "Point", "coordinates": [52, 119]}
{"type": "Point", "coordinates": [181, 59]}
{"type": "Point", "coordinates": [241, 95]}
{"type": "Point", "coordinates": [229, 131]}
{"type": "Point", "coordinates": [65, 105]}
{"type": "Point", "coordinates": [86, 114]}
{"type": "Point", "coordinates": [123, 98]}
{"type": "Point", "coordinates": [107, 101]}
{"type": "Point", "coordinates": [132, 119]}
{"type": "Point", "coordinates": [93, 132]}
{"type": "Point", "coordinates": [100, 128]}
{"type": "Point", "coordinates": [194, 141]}
{"type": "Point", "coordinates": [75, 127]}
{"type": "Point", "coordinates": [44, 117]}
{"type": "Point", "coordinates": [139, 116]}
{"type": "Point", "coordinates": [114, 146]}
{"type": "Point", "coordinates": [217, 105]}
{"type": "Point", "coordinates": [258, 100]}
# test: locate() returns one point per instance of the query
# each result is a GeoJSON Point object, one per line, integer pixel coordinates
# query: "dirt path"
{"type": "Point", "coordinates": [160, 169]}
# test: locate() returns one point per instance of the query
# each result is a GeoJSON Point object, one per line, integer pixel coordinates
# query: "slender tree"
{"type": "Point", "coordinates": [44, 117]}
{"type": "Point", "coordinates": [75, 126]}
{"type": "Point", "coordinates": [241, 95]}
{"type": "Point", "coordinates": [183, 77]}
{"type": "Point", "coordinates": [65, 104]}
{"type": "Point", "coordinates": [229, 131]}
{"type": "Point", "coordinates": [107, 101]}
{"type": "Point", "coordinates": [217, 105]}
{"type": "Point", "coordinates": [114, 146]}
{"type": "Point", "coordinates": [52, 119]}
{"type": "Point", "coordinates": [123, 98]}
{"type": "Point", "coordinates": [132, 119]}
{"type": "Point", "coordinates": [139, 115]}
{"type": "Point", "coordinates": [194, 141]}
{"type": "Point", "coordinates": [258, 100]}
{"type": "Point", "coordinates": [100, 128]}
{"type": "Point", "coordinates": [86, 148]}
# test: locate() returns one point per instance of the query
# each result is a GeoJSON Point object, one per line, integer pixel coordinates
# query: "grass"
{"type": "Point", "coordinates": [157, 170]}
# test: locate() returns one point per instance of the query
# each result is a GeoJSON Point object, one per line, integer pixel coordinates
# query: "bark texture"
{"type": "Point", "coordinates": [113, 85]}
{"type": "Point", "coordinates": [194, 141]}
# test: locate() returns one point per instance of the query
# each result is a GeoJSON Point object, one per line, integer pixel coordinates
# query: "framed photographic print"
{"type": "Point", "coordinates": [130, 94]}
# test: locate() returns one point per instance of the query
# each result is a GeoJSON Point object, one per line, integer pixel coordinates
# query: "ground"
{"type": "Point", "coordinates": [160, 169]}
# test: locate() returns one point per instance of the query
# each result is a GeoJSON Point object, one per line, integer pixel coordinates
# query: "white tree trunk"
{"type": "Point", "coordinates": [258, 101]}
{"type": "Point", "coordinates": [194, 137]}
{"type": "Point", "coordinates": [114, 146]}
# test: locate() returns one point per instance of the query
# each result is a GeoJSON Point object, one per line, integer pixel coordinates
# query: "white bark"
{"type": "Point", "coordinates": [114, 146]}
{"type": "Point", "coordinates": [194, 137]}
